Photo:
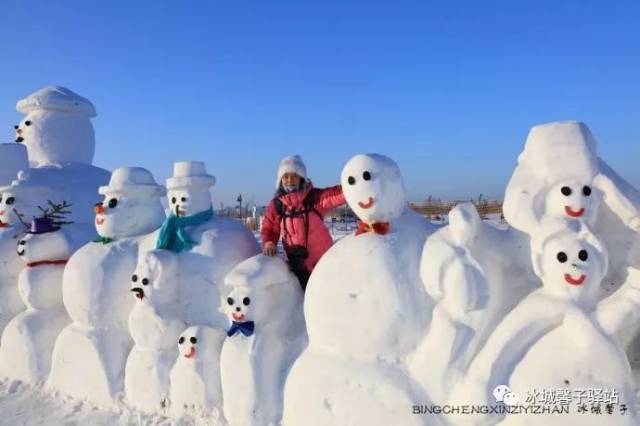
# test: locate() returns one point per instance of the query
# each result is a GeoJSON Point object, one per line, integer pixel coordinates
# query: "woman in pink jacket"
{"type": "Point", "coordinates": [296, 214]}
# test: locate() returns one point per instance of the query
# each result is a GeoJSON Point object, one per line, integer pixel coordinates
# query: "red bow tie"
{"type": "Point", "coordinates": [47, 262]}
{"type": "Point", "coordinates": [380, 228]}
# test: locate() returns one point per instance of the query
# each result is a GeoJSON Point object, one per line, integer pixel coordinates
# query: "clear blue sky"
{"type": "Point", "coordinates": [448, 89]}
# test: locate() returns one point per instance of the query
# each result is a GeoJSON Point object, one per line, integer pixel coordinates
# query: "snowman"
{"type": "Point", "coordinates": [155, 324]}
{"type": "Point", "coordinates": [19, 201]}
{"type": "Point", "coordinates": [208, 247]}
{"type": "Point", "coordinates": [27, 341]}
{"type": "Point", "coordinates": [95, 288]}
{"type": "Point", "coordinates": [559, 335]}
{"type": "Point", "coordinates": [365, 310]}
{"type": "Point", "coordinates": [263, 302]}
{"type": "Point", "coordinates": [58, 135]}
{"type": "Point", "coordinates": [195, 376]}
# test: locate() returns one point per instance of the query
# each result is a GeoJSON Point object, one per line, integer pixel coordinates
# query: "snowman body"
{"type": "Point", "coordinates": [263, 292]}
{"type": "Point", "coordinates": [195, 376]}
{"type": "Point", "coordinates": [28, 339]}
{"type": "Point", "coordinates": [155, 324]}
{"type": "Point", "coordinates": [365, 305]}
{"type": "Point", "coordinates": [96, 291]}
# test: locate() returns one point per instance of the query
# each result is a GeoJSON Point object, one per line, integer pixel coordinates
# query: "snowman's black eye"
{"type": "Point", "coordinates": [27, 123]}
{"type": "Point", "coordinates": [16, 127]}
{"type": "Point", "coordinates": [562, 257]}
{"type": "Point", "coordinates": [183, 199]}
{"type": "Point", "coordinates": [230, 300]}
{"type": "Point", "coordinates": [145, 281]}
{"type": "Point", "coordinates": [113, 203]}
{"type": "Point", "coordinates": [566, 191]}
{"type": "Point", "coordinates": [583, 255]}
{"type": "Point", "coordinates": [134, 278]}
{"type": "Point", "coordinates": [173, 200]}
{"type": "Point", "coordinates": [193, 340]}
{"type": "Point", "coordinates": [181, 340]}
{"type": "Point", "coordinates": [586, 191]}
{"type": "Point", "coordinates": [366, 175]}
{"type": "Point", "coordinates": [351, 180]}
{"type": "Point", "coordinates": [10, 201]}
{"type": "Point", "coordinates": [246, 301]}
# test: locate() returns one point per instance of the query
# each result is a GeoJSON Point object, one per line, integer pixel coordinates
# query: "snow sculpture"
{"type": "Point", "coordinates": [370, 282]}
{"type": "Point", "coordinates": [90, 354]}
{"type": "Point", "coordinates": [27, 341]}
{"type": "Point", "coordinates": [263, 302]}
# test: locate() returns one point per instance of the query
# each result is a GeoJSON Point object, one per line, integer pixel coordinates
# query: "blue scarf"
{"type": "Point", "coordinates": [173, 235]}
{"type": "Point", "coordinates": [245, 328]}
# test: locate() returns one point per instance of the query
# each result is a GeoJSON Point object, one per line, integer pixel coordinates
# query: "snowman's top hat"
{"type": "Point", "coordinates": [189, 174]}
{"type": "Point", "coordinates": [132, 180]}
{"type": "Point", "coordinates": [42, 225]}
{"type": "Point", "coordinates": [56, 98]}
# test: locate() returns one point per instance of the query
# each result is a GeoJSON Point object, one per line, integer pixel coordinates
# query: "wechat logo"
{"type": "Point", "coordinates": [502, 393]}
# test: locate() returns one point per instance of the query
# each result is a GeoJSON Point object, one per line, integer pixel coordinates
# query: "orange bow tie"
{"type": "Point", "coordinates": [380, 228]}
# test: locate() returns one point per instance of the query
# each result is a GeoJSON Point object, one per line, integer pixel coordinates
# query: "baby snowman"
{"type": "Point", "coordinates": [195, 376]}
{"type": "Point", "coordinates": [56, 128]}
{"type": "Point", "coordinates": [155, 323]}
{"type": "Point", "coordinates": [263, 302]}
{"type": "Point", "coordinates": [95, 288]}
{"type": "Point", "coordinates": [560, 335]}
{"type": "Point", "coordinates": [27, 341]}
{"type": "Point", "coordinates": [365, 309]}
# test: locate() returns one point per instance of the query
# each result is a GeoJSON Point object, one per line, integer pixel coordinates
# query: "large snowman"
{"type": "Point", "coordinates": [27, 341]}
{"type": "Point", "coordinates": [365, 310]}
{"type": "Point", "coordinates": [19, 201]}
{"type": "Point", "coordinates": [60, 141]}
{"type": "Point", "coordinates": [90, 354]}
{"type": "Point", "coordinates": [559, 336]}
{"type": "Point", "coordinates": [208, 247]}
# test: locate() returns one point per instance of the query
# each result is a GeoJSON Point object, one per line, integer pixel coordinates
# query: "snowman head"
{"type": "Point", "coordinates": [373, 187]}
{"type": "Point", "coordinates": [44, 242]}
{"type": "Point", "coordinates": [131, 206]}
{"type": "Point", "coordinates": [569, 259]}
{"type": "Point", "coordinates": [154, 279]}
{"type": "Point", "coordinates": [199, 342]}
{"type": "Point", "coordinates": [57, 127]}
{"type": "Point", "coordinates": [22, 198]}
{"type": "Point", "coordinates": [572, 199]}
{"type": "Point", "coordinates": [188, 188]}
{"type": "Point", "coordinates": [238, 307]}
{"type": "Point", "coordinates": [500, 391]}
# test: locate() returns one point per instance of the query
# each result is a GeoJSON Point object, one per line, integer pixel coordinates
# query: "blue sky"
{"type": "Point", "coordinates": [448, 89]}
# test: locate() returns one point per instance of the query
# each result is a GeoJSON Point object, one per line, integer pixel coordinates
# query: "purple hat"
{"type": "Point", "coordinates": [42, 225]}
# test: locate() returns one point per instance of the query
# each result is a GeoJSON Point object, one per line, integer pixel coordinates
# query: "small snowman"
{"type": "Point", "coordinates": [263, 302]}
{"type": "Point", "coordinates": [57, 127]}
{"type": "Point", "coordinates": [155, 324]}
{"type": "Point", "coordinates": [365, 309]}
{"type": "Point", "coordinates": [560, 334]}
{"type": "Point", "coordinates": [208, 247]}
{"type": "Point", "coordinates": [27, 341]}
{"type": "Point", "coordinates": [95, 288]}
{"type": "Point", "coordinates": [19, 201]}
{"type": "Point", "coordinates": [195, 377]}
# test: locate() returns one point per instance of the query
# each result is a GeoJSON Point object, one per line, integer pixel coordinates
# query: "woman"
{"type": "Point", "coordinates": [296, 214]}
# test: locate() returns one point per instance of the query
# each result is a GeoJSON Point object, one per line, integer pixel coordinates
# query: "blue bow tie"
{"type": "Point", "coordinates": [245, 328]}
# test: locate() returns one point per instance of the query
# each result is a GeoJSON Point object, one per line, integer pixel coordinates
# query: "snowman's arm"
{"type": "Point", "coordinates": [618, 201]}
{"type": "Point", "coordinates": [518, 205]}
{"type": "Point", "coordinates": [622, 309]}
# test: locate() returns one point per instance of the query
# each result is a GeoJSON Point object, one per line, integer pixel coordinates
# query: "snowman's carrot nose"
{"type": "Point", "coordinates": [98, 208]}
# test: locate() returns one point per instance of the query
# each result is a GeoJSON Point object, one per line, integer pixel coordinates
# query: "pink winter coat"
{"type": "Point", "coordinates": [292, 229]}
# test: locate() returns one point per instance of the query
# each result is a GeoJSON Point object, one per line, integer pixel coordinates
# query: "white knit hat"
{"type": "Point", "coordinates": [190, 174]}
{"type": "Point", "coordinates": [291, 164]}
{"type": "Point", "coordinates": [132, 180]}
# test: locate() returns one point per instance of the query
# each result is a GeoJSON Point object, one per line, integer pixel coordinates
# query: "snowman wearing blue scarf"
{"type": "Point", "coordinates": [207, 246]}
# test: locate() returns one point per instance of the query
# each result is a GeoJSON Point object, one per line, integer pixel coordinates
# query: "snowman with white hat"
{"type": "Point", "coordinates": [208, 247]}
{"type": "Point", "coordinates": [96, 288]}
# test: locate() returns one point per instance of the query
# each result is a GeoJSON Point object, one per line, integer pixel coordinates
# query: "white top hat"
{"type": "Point", "coordinates": [188, 174]}
{"type": "Point", "coordinates": [56, 98]}
{"type": "Point", "coordinates": [132, 180]}
{"type": "Point", "coordinates": [14, 158]}
{"type": "Point", "coordinates": [291, 164]}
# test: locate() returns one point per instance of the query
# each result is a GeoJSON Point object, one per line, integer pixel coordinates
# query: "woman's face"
{"type": "Point", "coordinates": [290, 180]}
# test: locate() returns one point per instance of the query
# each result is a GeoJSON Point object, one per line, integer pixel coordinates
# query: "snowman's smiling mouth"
{"type": "Point", "coordinates": [20, 252]}
{"type": "Point", "coordinates": [573, 213]}
{"type": "Point", "coordinates": [180, 212]}
{"type": "Point", "coordinates": [238, 316]}
{"type": "Point", "coordinates": [99, 220]}
{"type": "Point", "coordinates": [191, 353]}
{"type": "Point", "coordinates": [19, 139]}
{"type": "Point", "coordinates": [139, 293]}
{"type": "Point", "coordinates": [574, 281]}
{"type": "Point", "coordinates": [366, 205]}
